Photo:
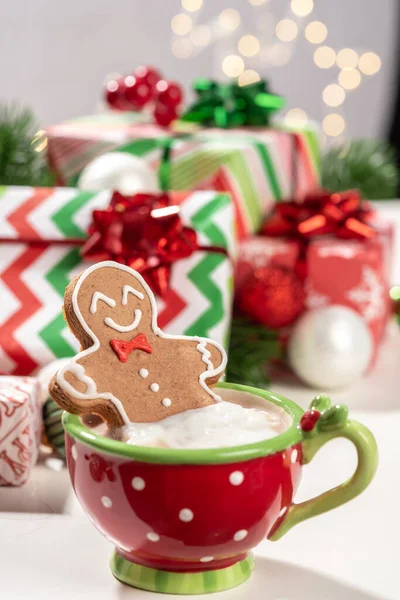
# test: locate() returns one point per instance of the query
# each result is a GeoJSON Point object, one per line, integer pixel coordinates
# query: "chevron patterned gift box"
{"type": "Point", "coordinates": [257, 166]}
{"type": "Point", "coordinates": [40, 230]}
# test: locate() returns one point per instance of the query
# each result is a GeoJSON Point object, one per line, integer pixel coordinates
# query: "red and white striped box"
{"type": "Point", "coordinates": [20, 428]}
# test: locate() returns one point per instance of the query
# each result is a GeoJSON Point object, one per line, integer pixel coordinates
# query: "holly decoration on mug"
{"type": "Point", "coordinates": [323, 415]}
{"type": "Point", "coordinates": [145, 89]}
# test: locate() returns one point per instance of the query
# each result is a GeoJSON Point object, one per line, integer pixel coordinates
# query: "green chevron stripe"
{"type": "Point", "coordinates": [170, 582]}
{"type": "Point", "coordinates": [200, 275]}
{"type": "Point", "coordinates": [139, 147]}
{"type": "Point", "coordinates": [314, 153]}
{"type": "Point", "coordinates": [58, 278]}
{"type": "Point", "coordinates": [269, 169]}
{"type": "Point", "coordinates": [63, 219]}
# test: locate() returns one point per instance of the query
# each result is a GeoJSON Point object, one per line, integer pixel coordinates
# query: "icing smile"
{"type": "Point", "coordinates": [123, 328]}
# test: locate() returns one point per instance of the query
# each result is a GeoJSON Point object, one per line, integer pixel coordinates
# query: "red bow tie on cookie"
{"type": "Point", "coordinates": [123, 349]}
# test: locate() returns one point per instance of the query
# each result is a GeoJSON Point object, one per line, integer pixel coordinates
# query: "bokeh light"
{"type": "Point", "coordinates": [333, 95]}
{"type": "Point", "coordinates": [286, 30]}
{"type": "Point", "coordinates": [302, 8]}
{"type": "Point", "coordinates": [249, 45]}
{"type": "Point", "coordinates": [324, 57]}
{"type": "Point", "coordinates": [200, 35]}
{"type": "Point", "coordinates": [296, 116]}
{"type": "Point", "coordinates": [181, 24]}
{"type": "Point", "coordinates": [229, 19]}
{"type": "Point", "coordinates": [233, 65]}
{"type": "Point", "coordinates": [248, 76]}
{"type": "Point", "coordinates": [257, 2]}
{"type": "Point", "coordinates": [369, 63]}
{"type": "Point", "coordinates": [192, 5]}
{"type": "Point", "coordinates": [347, 58]}
{"type": "Point", "coordinates": [316, 32]}
{"type": "Point", "coordinates": [333, 125]}
{"type": "Point", "coordinates": [349, 79]}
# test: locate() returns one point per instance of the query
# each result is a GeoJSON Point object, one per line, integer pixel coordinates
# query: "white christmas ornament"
{"type": "Point", "coordinates": [330, 347]}
{"type": "Point", "coordinates": [119, 171]}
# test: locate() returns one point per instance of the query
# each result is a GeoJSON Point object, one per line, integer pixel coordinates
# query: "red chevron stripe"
{"type": "Point", "coordinates": [305, 160]}
{"type": "Point", "coordinates": [174, 304]}
{"type": "Point", "coordinates": [25, 364]}
{"type": "Point", "coordinates": [221, 183]}
{"type": "Point", "coordinates": [18, 218]}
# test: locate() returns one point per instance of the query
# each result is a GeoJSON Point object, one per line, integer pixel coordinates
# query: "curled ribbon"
{"type": "Point", "coordinates": [144, 232]}
{"type": "Point", "coordinates": [232, 105]}
{"type": "Point", "coordinates": [343, 215]}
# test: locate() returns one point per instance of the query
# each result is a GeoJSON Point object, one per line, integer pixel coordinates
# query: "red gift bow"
{"type": "Point", "coordinates": [144, 232]}
{"type": "Point", "coordinates": [341, 214]}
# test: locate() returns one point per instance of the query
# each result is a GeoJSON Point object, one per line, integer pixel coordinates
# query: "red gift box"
{"type": "Point", "coordinates": [20, 428]}
{"type": "Point", "coordinates": [346, 272]}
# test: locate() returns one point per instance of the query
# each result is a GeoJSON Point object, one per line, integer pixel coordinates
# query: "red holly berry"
{"type": "Point", "coordinates": [137, 92]}
{"type": "Point", "coordinates": [148, 74]}
{"type": "Point", "coordinates": [164, 114]}
{"type": "Point", "coordinates": [169, 93]}
{"type": "Point", "coordinates": [114, 94]}
{"type": "Point", "coordinates": [273, 296]}
{"type": "Point", "coordinates": [309, 420]}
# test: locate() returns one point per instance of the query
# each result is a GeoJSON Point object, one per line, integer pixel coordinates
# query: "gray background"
{"type": "Point", "coordinates": [54, 54]}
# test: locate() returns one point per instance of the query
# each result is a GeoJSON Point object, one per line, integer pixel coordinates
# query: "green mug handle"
{"type": "Point", "coordinates": [323, 423]}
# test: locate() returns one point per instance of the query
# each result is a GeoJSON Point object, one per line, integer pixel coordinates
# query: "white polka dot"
{"type": "Point", "coordinates": [153, 537]}
{"type": "Point", "coordinates": [240, 535]}
{"type": "Point", "coordinates": [207, 559]}
{"type": "Point", "coordinates": [236, 477]}
{"type": "Point", "coordinates": [186, 515]}
{"type": "Point", "coordinates": [143, 373]}
{"type": "Point", "coordinates": [106, 502]}
{"type": "Point", "coordinates": [294, 456]}
{"type": "Point", "coordinates": [74, 452]}
{"type": "Point", "coordinates": [166, 402]}
{"type": "Point", "coordinates": [138, 484]}
{"type": "Point", "coordinates": [154, 387]}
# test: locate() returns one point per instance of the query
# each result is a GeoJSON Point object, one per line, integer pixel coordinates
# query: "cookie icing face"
{"type": "Point", "coordinates": [129, 370]}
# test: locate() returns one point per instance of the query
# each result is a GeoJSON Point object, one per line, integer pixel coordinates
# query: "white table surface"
{"type": "Point", "coordinates": [49, 550]}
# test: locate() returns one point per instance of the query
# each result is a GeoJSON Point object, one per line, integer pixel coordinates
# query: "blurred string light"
{"type": "Point", "coordinates": [249, 45]}
{"type": "Point", "coordinates": [347, 58]}
{"type": "Point", "coordinates": [349, 79]}
{"type": "Point", "coordinates": [257, 2]}
{"type": "Point", "coordinates": [192, 5]}
{"type": "Point", "coordinates": [286, 30]}
{"type": "Point", "coordinates": [233, 65]}
{"type": "Point", "coordinates": [333, 124]}
{"type": "Point", "coordinates": [248, 76]}
{"type": "Point", "coordinates": [302, 8]}
{"type": "Point", "coordinates": [296, 116]}
{"type": "Point", "coordinates": [333, 95]}
{"type": "Point", "coordinates": [325, 57]}
{"type": "Point", "coordinates": [181, 24]}
{"type": "Point", "coordinates": [200, 35]}
{"type": "Point", "coordinates": [369, 63]}
{"type": "Point", "coordinates": [40, 141]}
{"type": "Point", "coordinates": [316, 32]}
{"type": "Point", "coordinates": [229, 19]}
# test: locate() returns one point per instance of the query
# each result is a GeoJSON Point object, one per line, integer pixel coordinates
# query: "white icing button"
{"type": "Point", "coordinates": [154, 387]}
{"type": "Point", "coordinates": [74, 452]}
{"type": "Point", "coordinates": [143, 373]}
{"type": "Point", "coordinates": [236, 477]}
{"type": "Point", "coordinates": [293, 458]}
{"type": "Point", "coordinates": [186, 515]}
{"type": "Point", "coordinates": [138, 484]}
{"type": "Point", "coordinates": [153, 537]}
{"type": "Point", "coordinates": [207, 559]}
{"type": "Point", "coordinates": [166, 402]}
{"type": "Point", "coordinates": [240, 535]}
{"type": "Point", "coordinates": [106, 502]}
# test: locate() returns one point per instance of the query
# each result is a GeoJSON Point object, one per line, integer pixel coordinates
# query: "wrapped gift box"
{"type": "Point", "coordinates": [347, 272]}
{"type": "Point", "coordinates": [20, 428]}
{"type": "Point", "coordinates": [42, 231]}
{"type": "Point", "coordinates": [257, 166]}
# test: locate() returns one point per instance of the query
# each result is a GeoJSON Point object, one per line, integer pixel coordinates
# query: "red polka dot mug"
{"type": "Point", "coordinates": [185, 521]}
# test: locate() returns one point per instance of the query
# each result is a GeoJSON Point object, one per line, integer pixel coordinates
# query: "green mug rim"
{"type": "Point", "coordinates": [293, 435]}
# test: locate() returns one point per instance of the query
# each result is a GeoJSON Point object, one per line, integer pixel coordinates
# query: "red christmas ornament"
{"type": "Point", "coordinates": [147, 74]}
{"type": "Point", "coordinates": [169, 93]}
{"type": "Point", "coordinates": [309, 420]}
{"type": "Point", "coordinates": [273, 296]}
{"type": "Point", "coordinates": [138, 92]}
{"type": "Point", "coordinates": [114, 94]}
{"type": "Point", "coordinates": [164, 114]}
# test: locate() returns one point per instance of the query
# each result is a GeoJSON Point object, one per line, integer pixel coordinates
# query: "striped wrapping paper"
{"type": "Point", "coordinates": [36, 266]}
{"type": "Point", "coordinates": [256, 166]}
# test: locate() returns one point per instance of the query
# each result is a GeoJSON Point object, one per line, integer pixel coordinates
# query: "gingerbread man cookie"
{"type": "Point", "coordinates": [129, 370]}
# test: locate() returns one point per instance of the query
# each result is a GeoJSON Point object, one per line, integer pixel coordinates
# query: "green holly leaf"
{"type": "Point", "coordinates": [321, 403]}
{"type": "Point", "coordinates": [334, 418]}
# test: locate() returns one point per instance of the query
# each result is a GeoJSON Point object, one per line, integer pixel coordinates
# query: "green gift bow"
{"type": "Point", "coordinates": [232, 105]}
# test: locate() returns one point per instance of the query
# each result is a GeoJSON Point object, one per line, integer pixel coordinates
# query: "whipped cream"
{"type": "Point", "coordinates": [217, 425]}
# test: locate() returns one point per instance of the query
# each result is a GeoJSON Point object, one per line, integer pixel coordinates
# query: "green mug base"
{"type": "Point", "coordinates": [169, 582]}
